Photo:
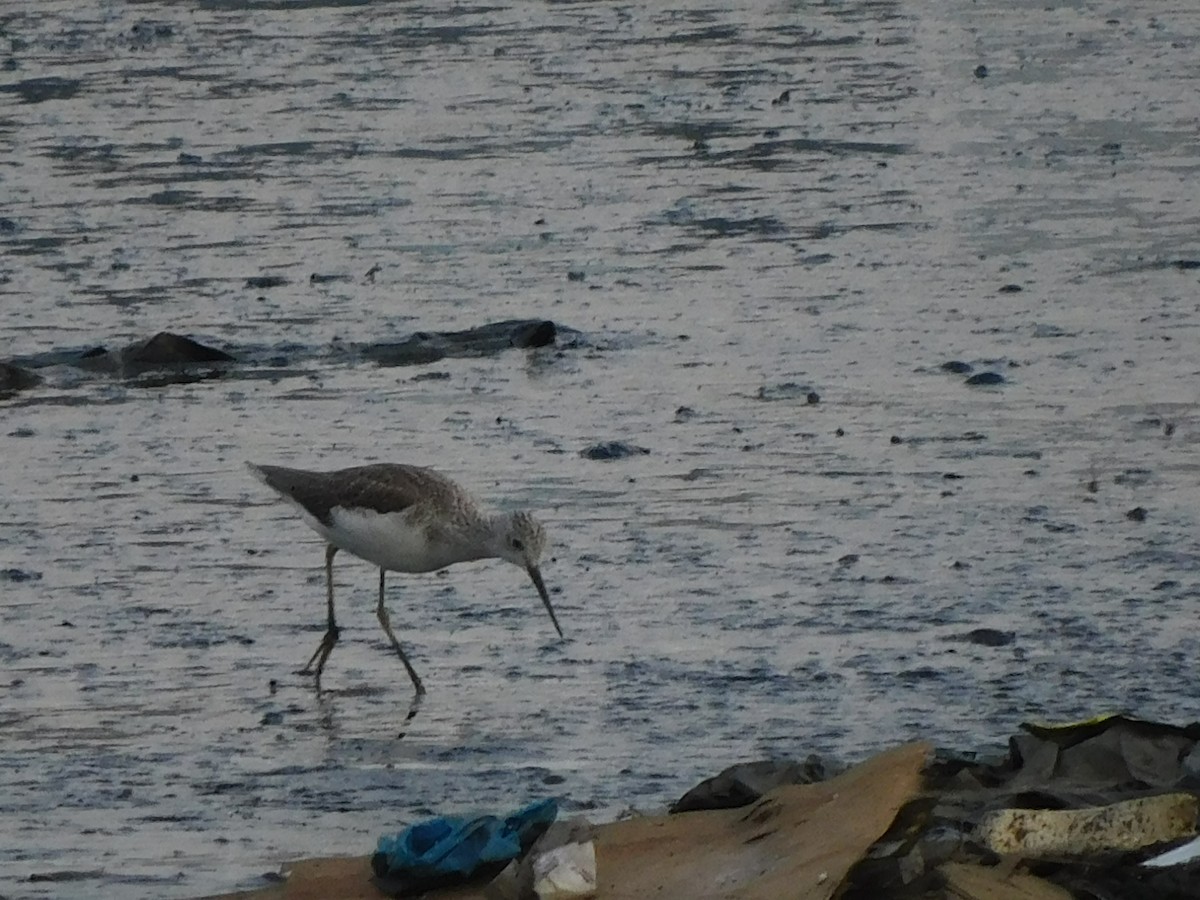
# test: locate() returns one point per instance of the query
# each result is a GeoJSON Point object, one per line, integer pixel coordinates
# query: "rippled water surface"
{"type": "Point", "coordinates": [736, 206]}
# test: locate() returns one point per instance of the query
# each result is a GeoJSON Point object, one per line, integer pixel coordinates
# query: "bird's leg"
{"type": "Point", "coordinates": [387, 627]}
{"type": "Point", "coordinates": [332, 632]}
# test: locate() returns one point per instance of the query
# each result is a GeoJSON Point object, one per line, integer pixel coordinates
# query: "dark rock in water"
{"type": "Point", "coordinates": [419, 349]}
{"type": "Point", "coordinates": [14, 378]}
{"type": "Point", "coordinates": [1186, 263]}
{"type": "Point", "coordinates": [65, 876]}
{"type": "Point", "coordinates": [266, 281]}
{"type": "Point", "coordinates": [610, 450]}
{"type": "Point", "coordinates": [1011, 289]}
{"type": "Point", "coordinates": [987, 637]}
{"type": "Point", "coordinates": [167, 349]}
{"type": "Point", "coordinates": [684, 414]}
{"type": "Point", "coordinates": [1137, 514]}
{"type": "Point", "coordinates": [534, 334]}
{"type": "Point", "coordinates": [575, 276]}
{"type": "Point", "coordinates": [163, 351]}
{"type": "Point", "coordinates": [985, 378]}
{"type": "Point", "coordinates": [486, 340]}
{"type": "Point", "coordinates": [981, 71]}
{"type": "Point", "coordinates": [956, 367]}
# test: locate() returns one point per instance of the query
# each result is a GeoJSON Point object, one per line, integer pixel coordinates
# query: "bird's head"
{"type": "Point", "coordinates": [522, 540]}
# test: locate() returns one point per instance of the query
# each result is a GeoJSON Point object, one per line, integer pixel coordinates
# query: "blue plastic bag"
{"type": "Point", "coordinates": [446, 849]}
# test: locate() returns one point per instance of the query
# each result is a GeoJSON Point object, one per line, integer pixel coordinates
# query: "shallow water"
{"type": "Point", "coordinates": [775, 577]}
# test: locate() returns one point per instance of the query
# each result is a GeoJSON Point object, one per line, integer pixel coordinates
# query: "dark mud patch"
{"type": "Point", "coordinates": [39, 90]}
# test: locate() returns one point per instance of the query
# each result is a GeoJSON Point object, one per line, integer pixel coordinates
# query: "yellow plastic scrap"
{"type": "Point", "coordinates": [1083, 832]}
{"type": "Point", "coordinates": [1046, 729]}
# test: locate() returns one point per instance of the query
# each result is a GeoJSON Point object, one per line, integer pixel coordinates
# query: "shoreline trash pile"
{"type": "Point", "coordinates": [1105, 808]}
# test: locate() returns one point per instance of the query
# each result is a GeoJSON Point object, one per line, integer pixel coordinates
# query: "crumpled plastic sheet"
{"type": "Point", "coordinates": [446, 849]}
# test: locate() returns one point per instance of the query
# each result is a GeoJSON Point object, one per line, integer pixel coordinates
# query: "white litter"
{"type": "Point", "coordinates": [1181, 854]}
{"type": "Point", "coordinates": [566, 871]}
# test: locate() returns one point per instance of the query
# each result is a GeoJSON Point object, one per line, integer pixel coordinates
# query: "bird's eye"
{"type": "Point", "coordinates": [518, 544]}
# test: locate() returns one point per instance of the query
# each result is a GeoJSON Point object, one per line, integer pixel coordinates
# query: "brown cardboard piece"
{"type": "Point", "coordinates": [796, 841]}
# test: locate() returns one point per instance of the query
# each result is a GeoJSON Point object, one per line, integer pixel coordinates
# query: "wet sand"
{"type": "Point", "coordinates": [735, 209]}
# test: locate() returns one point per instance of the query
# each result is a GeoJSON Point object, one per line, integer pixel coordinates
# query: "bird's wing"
{"type": "Point", "coordinates": [381, 487]}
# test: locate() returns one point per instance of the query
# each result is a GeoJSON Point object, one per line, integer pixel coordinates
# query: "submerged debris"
{"type": "Point", "coordinates": [610, 450]}
{"type": "Point", "coordinates": [485, 340]}
{"type": "Point", "coordinates": [15, 378]}
{"type": "Point", "coordinates": [985, 379]}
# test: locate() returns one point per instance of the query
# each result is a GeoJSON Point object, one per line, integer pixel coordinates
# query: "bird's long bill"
{"type": "Point", "coordinates": [541, 589]}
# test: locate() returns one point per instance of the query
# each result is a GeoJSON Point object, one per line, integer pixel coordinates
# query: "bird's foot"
{"type": "Point", "coordinates": [413, 707]}
{"type": "Point", "coordinates": [322, 653]}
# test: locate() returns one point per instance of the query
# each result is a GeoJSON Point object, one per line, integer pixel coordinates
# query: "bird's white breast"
{"type": "Point", "coordinates": [398, 541]}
